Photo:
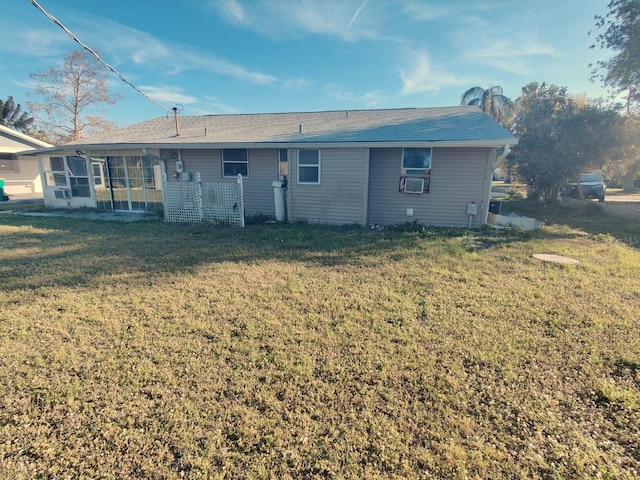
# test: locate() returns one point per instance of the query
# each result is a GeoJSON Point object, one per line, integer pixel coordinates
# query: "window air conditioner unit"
{"type": "Point", "coordinates": [413, 185]}
{"type": "Point", "coordinates": [62, 193]}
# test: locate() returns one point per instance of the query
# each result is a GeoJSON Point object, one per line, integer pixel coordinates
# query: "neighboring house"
{"type": "Point", "coordinates": [20, 172]}
{"type": "Point", "coordinates": [433, 166]}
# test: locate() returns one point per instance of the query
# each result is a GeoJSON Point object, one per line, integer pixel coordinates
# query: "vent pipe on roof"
{"type": "Point", "coordinates": [301, 128]}
{"type": "Point", "coordinates": [205, 131]}
{"type": "Point", "coordinates": [175, 115]}
{"type": "Point", "coordinates": [346, 114]}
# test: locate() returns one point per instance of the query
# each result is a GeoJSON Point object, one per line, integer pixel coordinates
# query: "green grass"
{"type": "Point", "coordinates": [150, 350]}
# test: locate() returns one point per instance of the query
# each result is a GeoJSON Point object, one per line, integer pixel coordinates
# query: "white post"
{"type": "Point", "coordinates": [241, 206]}
{"type": "Point", "coordinates": [278, 196]}
{"type": "Point", "coordinates": [200, 206]}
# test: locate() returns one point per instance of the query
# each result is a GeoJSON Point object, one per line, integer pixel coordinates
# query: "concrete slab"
{"type": "Point", "coordinates": [105, 216]}
{"type": "Point", "coordinates": [547, 257]}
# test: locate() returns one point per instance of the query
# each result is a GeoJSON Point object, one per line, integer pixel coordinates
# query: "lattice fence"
{"type": "Point", "coordinates": [195, 202]}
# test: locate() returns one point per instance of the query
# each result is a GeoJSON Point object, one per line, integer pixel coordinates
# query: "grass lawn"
{"type": "Point", "coordinates": [151, 350]}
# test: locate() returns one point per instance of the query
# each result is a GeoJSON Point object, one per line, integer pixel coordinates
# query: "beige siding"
{"type": "Point", "coordinates": [205, 162]}
{"type": "Point", "coordinates": [132, 152]}
{"type": "Point", "coordinates": [22, 177]}
{"type": "Point", "coordinates": [458, 177]}
{"type": "Point", "coordinates": [340, 198]}
{"type": "Point", "coordinates": [258, 189]}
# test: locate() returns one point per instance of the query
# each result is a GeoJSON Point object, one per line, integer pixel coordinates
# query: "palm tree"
{"type": "Point", "coordinates": [11, 115]}
{"type": "Point", "coordinates": [496, 104]}
{"type": "Point", "coordinates": [490, 100]}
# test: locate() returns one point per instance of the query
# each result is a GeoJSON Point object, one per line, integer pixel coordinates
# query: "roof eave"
{"type": "Point", "coordinates": [492, 143]}
{"type": "Point", "coordinates": [23, 137]}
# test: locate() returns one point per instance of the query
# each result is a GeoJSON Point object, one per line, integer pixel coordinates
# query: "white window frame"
{"type": "Point", "coordinates": [283, 164]}
{"type": "Point", "coordinates": [223, 162]}
{"type": "Point", "coordinates": [78, 182]}
{"type": "Point", "coordinates": [405, 170]}
{"type": "Point", "coordinates": [50, 174]}
{"type": "Point", "coordinates": [318, 166]}
{"type": "Point", "coordinates": [412, 172]}
{"type": "Point", "coordinates": [73, 182]}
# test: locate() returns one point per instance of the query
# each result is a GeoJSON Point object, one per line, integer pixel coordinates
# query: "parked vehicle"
{"type": "Point", "coordinates": [593, 186]}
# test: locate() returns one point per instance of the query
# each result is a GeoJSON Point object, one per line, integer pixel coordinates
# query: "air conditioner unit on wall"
{"type": "Point", "coordinates": [413, 185]}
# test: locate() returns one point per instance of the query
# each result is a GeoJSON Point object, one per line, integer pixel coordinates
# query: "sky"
{"type": "Point", "coordinates": [254, 56]}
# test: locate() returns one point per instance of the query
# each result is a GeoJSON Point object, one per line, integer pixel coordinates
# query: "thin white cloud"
{"type": "Point", "coordinates": [121, 44]}
{"type": "Point", "coordinates": [421, 11]}
{"type": "Point", "coordinates": [296, 83]}
{"type": "Point", "coordinates": [338, 92]}
{"type": "Point", "coordinates": [232, 10]}
{"type": "Point", "coordinates": [370, 99]}
{"type": "Point", "coordinates": [30, 42]}
{"type": "Point", "coordinates": [424, 77]}
{"type": "Point", "coordinates": [355, 15]}
{"type": "Point", "coordinates": [514, 54]}
{"type": "Point", "coordinates": [168, 94]}
{"type": "Point", "coordinates": [479, 40]}
{"type": "Point", "coordinates": [145, 49]}
{"type": "Point", "coordinates": [219, 106]}
{"type": "Point", "coordinates": [334, 18]}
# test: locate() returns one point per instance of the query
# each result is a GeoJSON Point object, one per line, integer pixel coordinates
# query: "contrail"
{"type": "Point", "coordinates": [355, 15]}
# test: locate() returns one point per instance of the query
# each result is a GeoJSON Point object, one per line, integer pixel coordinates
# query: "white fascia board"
{"type": "Point", "coordinates": [219, 145]}
{"type": "Point", "coordinates": [23, 136]}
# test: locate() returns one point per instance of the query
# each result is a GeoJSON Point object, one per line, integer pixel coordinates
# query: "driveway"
{"type": "Point", "coordinates": [622, 197]}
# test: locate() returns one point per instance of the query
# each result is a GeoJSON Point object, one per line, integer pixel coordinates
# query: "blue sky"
{"type": "Point", "coordinates": [247, 56]}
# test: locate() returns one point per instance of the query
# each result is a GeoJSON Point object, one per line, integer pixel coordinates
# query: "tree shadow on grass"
{"type": "Point", "coordinates": [42, 251]}
{"type": "Point", "coordinates": [37, 252]}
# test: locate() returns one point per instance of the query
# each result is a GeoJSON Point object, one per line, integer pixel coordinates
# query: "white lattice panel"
{"type": "Point", "coordinates": [220, 203]}
{"type": "Point", "coordinates": [180, 201]}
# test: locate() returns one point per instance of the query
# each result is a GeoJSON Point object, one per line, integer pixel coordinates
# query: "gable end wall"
{"type": "Point", "coordinates": [458, 177]}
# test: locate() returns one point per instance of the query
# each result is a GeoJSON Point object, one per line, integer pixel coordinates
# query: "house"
{"type": "Point", "coordinates": [20, 172]}
{"type": "Point", "coordinates": [433, 166]}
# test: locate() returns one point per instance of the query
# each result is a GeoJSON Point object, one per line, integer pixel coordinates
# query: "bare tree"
{"type": "Point", "coordinates": [73, 97]}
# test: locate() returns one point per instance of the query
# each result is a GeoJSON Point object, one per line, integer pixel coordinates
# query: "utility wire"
{"type": "Point", "coordinates": [92, 52]}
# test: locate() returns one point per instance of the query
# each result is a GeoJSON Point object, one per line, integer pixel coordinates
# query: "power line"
{"type": "Point", "coordinates": [92, 52]}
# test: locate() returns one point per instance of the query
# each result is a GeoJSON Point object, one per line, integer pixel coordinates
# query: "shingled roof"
{"type": "Point", "coordinates": [463, 126]}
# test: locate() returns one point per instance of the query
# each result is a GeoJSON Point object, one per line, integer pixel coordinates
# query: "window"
{"type": "Point", "coordinates": [67, 172]}
{"type": "Point", "coordinates": [309, 166]}
{"type": "Point", "coordinates": [54, 175]}
{"type": "Point", "coordinates": [9, 162]}
{"type": "Point", "coordinates": [78, 177]}
{"type": "Point", "coordinates": [96, 168]}
{"type": "Point", "coordinates": [235, 161]}
{"type": "Point", "coordinates": [283, 164]}
{"type": "Point", "coordinates": [416, 161]}
{"type": "Point", "coordinates": [415, 175]}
